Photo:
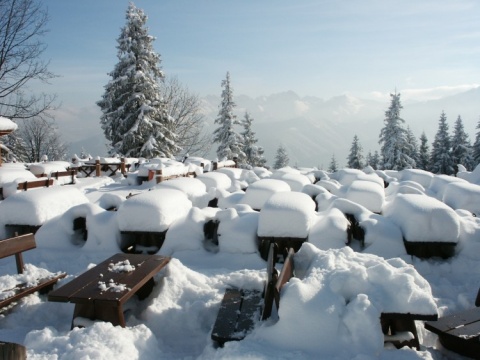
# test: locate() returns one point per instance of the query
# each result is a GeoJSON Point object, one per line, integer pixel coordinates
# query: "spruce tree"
{"type": "Point", "coordinates": [441, 161]}
{"type": "Point", "coordinates": [135, 120]}
{"type": "Point", "coordinates": [476, 147]}
{"type": "Point", "coordinates": [281, 158]}
{"type": "Point", "coordinates": [333, 167]}
{"type": "Point", "coordinates": [253, 153]}
{"type": "Point", "coordinates": [355, 158]}
{"type": "Point", "coordinates": [229, 140]}
{"type": "Point", "coordinates": [393, 138]}
{"type": "Point", "coordinates": [423, 153]}
{"type": "Point", "coordinates": [461, 148]}
{"type": "Point", "coordinates": [412, 151]}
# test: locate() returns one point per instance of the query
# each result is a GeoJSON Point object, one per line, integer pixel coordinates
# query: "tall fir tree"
{"type": "Point", "coordinates": [281, 158]}
{"type": "Point", "coordinates": [476, 147]}
{"type": "Point", "coordinates": [423, 153]}
{"type": "Point", "coordinates": [441, 161]}
{"type": "Point", "coordinates": [135, 119]}
{"type": "Point", "coordinates": [393, 138]}
{"type": "Point", "coordinates": [412, 151]}
{"type": "Point", "coordinates": [461, 147]}
{"type": "Point", "coordinates": [333, 167]}
{"type": "Point", "coordinates": [229, 140]}
{"type": "Point", "coordinates": [253, 153]}
{"type": "Point", "coordinates": [355, 157]}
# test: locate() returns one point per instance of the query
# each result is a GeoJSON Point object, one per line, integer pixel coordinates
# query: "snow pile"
{"type": "Point", "coordinates": [215, 180]}
{"type": "Point", "coordinates": [35, 206]}
{"type": "Point", "coordinates": [292, 177]}
{"type": "Point", "coordinates": [48, 167]}
{"type": "Point", "coordinates": [152, 210]}
{"type": "Point", "coordinates": [423, 218]}
{"type": "Point", "coordinates": [14, 172]}
{"type": "Point", "coordinates": [473, 177]}
{"type": "Point", "coordinates": [366, 193]}
{"type": "Point", "coordinates": [241, 178]}
{"type": "Point", "coordinates": [192, 187]}
{"type": "Point", "coordinates": [338, 297]}
{"type": "Point", "coordinates": [7, 124]}
{"type": "Point", "coordinates": [287, 214]}
{"type": "Point", "coordinates": [237, 230]}
{"type": "Point", "coordinates": [421, 177]}
{"type": "Point", "coordinates": [259, 192]}
{"type": "Point", "coordinates": [460, 195]}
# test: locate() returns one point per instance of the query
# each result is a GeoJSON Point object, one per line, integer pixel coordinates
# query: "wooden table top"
{"type": "Point", "coordinates": [87, 286]}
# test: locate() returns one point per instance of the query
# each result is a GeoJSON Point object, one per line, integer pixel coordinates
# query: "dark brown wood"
{"type": "Point", "coordinates": [17, 244]}
{"type": "Point", "coordinates": [12, 351]}
{"type": "Point", "coordinates": [239, 308]}
{"type": "Point", "coordinates": [94, 303]}
{"type": "Point", "coordinates": [459, 332]}
{"type": "Point", "coordinates": [34, 184]}
{"type": "Point", "coordinates": [428, 249]}
{"type": "Point", "coordinates": [283, 244]}
{"type": "Point", "coordinates": [14, 247]}
{"type": "Point", "coordinates": [68, 173]}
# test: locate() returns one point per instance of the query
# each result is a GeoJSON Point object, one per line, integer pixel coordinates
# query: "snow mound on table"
{"type": "Point", "coordinates": [333, 305]}
{"type": "Point", "coordinates": [152, 210]}
{"type": "Point", "coordinates": [459, 195]}
{"type": "Point", "coordinates": [195, 190]}
{"type": "Point", "coordinates": [259, 192]}
{"type": "Point", "coordinates": [287, 214]}
{"type": "Point", "coordinates": [34, 207]}
{"type": "Point", "coordinates": [215, 180]}
{"type": "Point", "coordinates": [423, 218]}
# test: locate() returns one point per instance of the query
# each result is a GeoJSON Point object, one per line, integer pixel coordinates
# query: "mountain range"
{"type": "Point", "coordinates": [313, 129]}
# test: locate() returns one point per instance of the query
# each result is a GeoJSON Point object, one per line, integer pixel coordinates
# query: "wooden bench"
{"type": "Point", "coordinates": [34, 184]}
{"type": "Point", "coordinates": [460, 332]}
{"type": "Point", "coordinates": [399, 329]}
{"type": "Point", "coordinates": [15, 246]}
{"type": "Point", "coordinates": [239, 307]}
{"type": "Point", "coordinates": [101, 292]}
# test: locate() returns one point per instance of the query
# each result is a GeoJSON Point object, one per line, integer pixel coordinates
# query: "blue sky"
{"type": "Point", "coordinates": [365, 48]}
{"type": "Point", "coordinates": [313, 47]}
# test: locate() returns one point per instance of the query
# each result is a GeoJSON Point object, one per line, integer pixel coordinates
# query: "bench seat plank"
{"type": "Point", "coordinates": [22, 290]}
{"type": "Point", "coordinates": [236, 315]}
{"type": "Point", "coordinates": [450, 322]}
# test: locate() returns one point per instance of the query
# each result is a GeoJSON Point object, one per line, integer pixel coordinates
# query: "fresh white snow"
{"type": "Point", "coordinates": [330, 310]}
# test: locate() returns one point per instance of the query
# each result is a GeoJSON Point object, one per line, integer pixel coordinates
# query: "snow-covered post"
{"type": "Point", "coordinates": [122, 166]}
{"type": "Point", "coordinates": [98, 172]}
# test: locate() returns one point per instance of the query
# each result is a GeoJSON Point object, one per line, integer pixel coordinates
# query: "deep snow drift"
{"type": "Point", "coordinates": [330, 309]}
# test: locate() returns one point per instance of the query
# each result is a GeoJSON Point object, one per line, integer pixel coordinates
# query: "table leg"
{"type": "Point", "coordinates": [100, 310]}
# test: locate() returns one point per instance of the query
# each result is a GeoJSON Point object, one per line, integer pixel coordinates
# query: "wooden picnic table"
{"type": "Point", "coordinates": [100, 293]}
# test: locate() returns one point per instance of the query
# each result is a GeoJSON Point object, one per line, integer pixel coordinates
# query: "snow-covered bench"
{"type": "Point", "coordinates": [240, 307]}
{"type": "Point", "coordinates": [27, 284]}
{"type": "Point", "coordinates": [460, 332]}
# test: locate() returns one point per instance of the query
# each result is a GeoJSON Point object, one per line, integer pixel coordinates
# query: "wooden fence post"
{"type": "Point", "coordinates": [97, 168]}
{"type": "Point", "coordinates": [122, 166]}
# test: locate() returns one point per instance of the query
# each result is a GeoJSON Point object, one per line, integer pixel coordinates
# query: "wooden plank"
{"type": "Point", "coordinates": [450, 322]}
{"type": "Point", "coordinates": [468, 331]}
{"type": "Point", "coordinates": [35, 184]}
{"type": "Point", "coordinates": [24, 291]}
{"type": "Point", "coordinates": [226, 322]}
{"type": "Point", "coordinates": [85, 287]}
{"type": "Point", "coordinates": [251, 306]}
{"type": "Point", "coordinates": [16, 244]}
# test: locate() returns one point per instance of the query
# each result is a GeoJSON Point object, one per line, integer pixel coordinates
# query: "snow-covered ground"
{"type": "Point", "coordinates": [330, 310]}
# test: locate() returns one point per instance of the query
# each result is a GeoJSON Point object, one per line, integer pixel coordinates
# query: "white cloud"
{"type": "Point", "coordinates": [425, 94]}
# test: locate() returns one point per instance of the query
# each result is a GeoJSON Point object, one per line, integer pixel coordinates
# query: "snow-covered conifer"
{"type": "Point", "coordinates": [135, 119]}
{"type": "Point", "coordinates": [281, 158]}
{"type": "Point", "coordinates": [412, 151]}
{"type": "Point", "coordinates": [476, 146]}
{"type": "Point", "coordinates": [229, 140]}
{"type": "Point", "coordinates": [355, 157]}
{"type": "Point", "coordinates": [253, 153]}
{"type": "Point", "coordinates": [441, 161]}
{"type": "Point", "coordinates": [333, 164]}
{"type": "Point", "coordinates": [423, 153]}
{"type": "Point", "coordinates": [393, 138]}
{"type": "Point", "coordinates": [461, 148]}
